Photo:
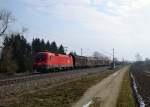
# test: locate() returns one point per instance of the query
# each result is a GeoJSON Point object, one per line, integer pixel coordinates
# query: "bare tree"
{"type": "Point", "coordinates": [5, 19]}
{"type": "Point", "coordinates": [138, 57]}
{"type": "Point", "coordinates": [99, 55]}
{"type": "Point", "coordinates": [24, 30]}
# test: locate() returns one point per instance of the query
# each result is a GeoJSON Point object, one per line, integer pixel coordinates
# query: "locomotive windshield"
{"type": "Point", "coordinates": [40, 57]}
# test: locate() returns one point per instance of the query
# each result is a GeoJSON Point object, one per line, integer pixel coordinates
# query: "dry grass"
{"type": "Point", "coordinates": [126, 98]}
{"type": "Point", "coordinates": [96, 102]}
{"type": "Point", "coordinates": [60, 96]}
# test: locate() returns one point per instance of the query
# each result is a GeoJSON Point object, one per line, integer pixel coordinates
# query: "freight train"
{"type": "Point", "coordinates": [49, 61]}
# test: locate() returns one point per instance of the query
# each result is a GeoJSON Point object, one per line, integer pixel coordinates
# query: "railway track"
{"type": "Point", "coordinates": [30, 77]}
{"type": "Point", "coordinates": [19, 85]}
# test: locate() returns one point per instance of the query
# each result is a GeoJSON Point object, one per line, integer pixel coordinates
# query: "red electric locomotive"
{"type": "Point", "coordinates": [44, 61]}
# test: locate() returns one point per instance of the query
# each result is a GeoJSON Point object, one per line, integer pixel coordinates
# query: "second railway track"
{"type": "Point", "coordinates": [30, 77]}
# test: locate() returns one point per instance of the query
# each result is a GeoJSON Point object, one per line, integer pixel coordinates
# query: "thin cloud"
{"type": "Point", "coordinates": [125, 21]}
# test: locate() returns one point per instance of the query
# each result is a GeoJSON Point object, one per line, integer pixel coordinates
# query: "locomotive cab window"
{"type": "Point", "coordinates": [40, 57]}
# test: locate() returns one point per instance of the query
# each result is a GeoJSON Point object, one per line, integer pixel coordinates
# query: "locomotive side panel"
{"type": "Point", "coordinates": [59, 60]}
{"type": "Point", "coordinates": [48, 60]}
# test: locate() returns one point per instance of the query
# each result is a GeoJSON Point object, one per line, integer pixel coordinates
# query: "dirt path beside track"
{"type": "Point", "coordinates": [105, 93]}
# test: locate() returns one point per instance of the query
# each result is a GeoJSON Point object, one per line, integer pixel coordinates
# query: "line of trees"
{"type": "Point", "coordinates": [17, 53]}
{"type": "Point", "coordinates": [41, 45]}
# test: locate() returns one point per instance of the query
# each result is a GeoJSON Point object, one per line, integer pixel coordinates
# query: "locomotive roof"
{"type": "Point", "coordinates": [53, 54]}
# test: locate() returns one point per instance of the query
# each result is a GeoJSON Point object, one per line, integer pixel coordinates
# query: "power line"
{"type": "Point", "coordinates": [108, 53]}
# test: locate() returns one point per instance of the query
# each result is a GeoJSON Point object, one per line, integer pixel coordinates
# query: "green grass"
{"type": "Point", "coordinates": [60, 96]}
{"type": "Point", "coordinates": [125, 98]}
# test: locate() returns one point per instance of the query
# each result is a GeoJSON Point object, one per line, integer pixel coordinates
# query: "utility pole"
{"type": "Point", "coordinates": [123, 60]}
{"type": "Point", "coordinates": [81, 51]}
{"type": "Point", "coordinates": [113, 58]}
{"type": "Point", "coordinates": [1, 51]}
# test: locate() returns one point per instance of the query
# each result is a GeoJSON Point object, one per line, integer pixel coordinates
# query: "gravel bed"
{"type": "Point", "coordinates": [42, 80]}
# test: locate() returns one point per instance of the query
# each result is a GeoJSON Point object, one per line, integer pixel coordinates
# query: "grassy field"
{"type": "Point", "coordinates": [60, 96]}
{"type": "Point", "coordinates": [125, 98]}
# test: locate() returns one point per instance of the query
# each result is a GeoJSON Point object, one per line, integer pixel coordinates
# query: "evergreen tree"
{"type": "Point", "coordinates": [33, 45]}
{"type": "Point", "coordinates": [54, 47]}
{"type": "Point", "coordinates": [48, 46]}
{"type": "Point", "coordinates": [36, 45]}
{"type": "Point", "coordinates": [42, 45]}
{"type": "Point", "coordinates": [61, 50]}
{"type": "Point", "coordinates": [20, 51]}
{"type": "Point", "coordinates": [8, 65]}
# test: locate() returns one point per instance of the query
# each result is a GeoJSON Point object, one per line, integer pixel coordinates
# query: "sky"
{"type": "Point", "coordinates": [93, 25]}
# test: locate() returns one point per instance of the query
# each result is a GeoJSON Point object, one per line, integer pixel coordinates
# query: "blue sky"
{"type": "Point", "coordinates": [94, 25]}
